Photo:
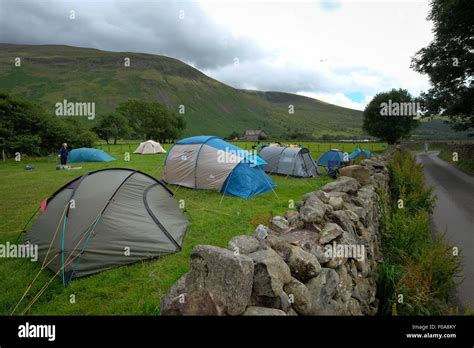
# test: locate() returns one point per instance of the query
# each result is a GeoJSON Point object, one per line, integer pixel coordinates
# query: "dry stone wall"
{"type": "Point", "coordinates": [320, 259]}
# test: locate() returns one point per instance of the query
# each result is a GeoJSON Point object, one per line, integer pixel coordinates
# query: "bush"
{"type": "Point", "coordinates": [419, 298]}
{"type": "Point", "coordinates": [438, 261]}
{"type": "Point", "coordinates": [388, 278]}
{"type": "Point", "coordinates": [406, 236]}
{"type": "Point", "coordinates": [422, 269]}
{"type": "Point", "coordinates": [408, 184]}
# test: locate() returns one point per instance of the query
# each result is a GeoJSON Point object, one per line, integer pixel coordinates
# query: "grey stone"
{"type": "Point", "coordinates": [173, 302]}
{"type": "Point", "coordinates": [303, 265]}
{"type": "Point", "coordinates": [330, 232]}
{"type": "Point", "coordinates": [345, 286]}
{"type": "Point", "coordinates": [345, 197]}
{"type": "Point", "coordinates": [323, 196]}
{"type": "Point", "coordinates": [342, 184]}
{"type": "Point", "coordinates": [377, 165]}
{"type": "Point", "coordinates": [300, 237]}
{"type": "Point", "coordinates": [364, 290]}
{"type": "Point", "coordinates": [381, 180]}
{"type": "Point", "coordinates": [279, 224]}
{"type": "Point", "coordinates": [359, 211]}
{"type": "Point", "coordinates": [300, 296]}
{"type": "Point", "coordinates": [270, 273]}
{"type": "Point", "coordinates": [244, 244]}
{"type": "Point", "coordinates": [363, 266]}
{"type": "Point", "coordinates": [336, 202]}
{"type": "Point", "coordinates": [293, 218]}
{"type": "Point", "coordinates": [226, 277]}
{"type": "Point", "coordinates": [254, 311]}
{"type": "Point", "coordinates": [313, 210]}
{"type": "Point", "coordinates": [322, 289]}
{"type": "Point", "coordinates": [354, 307]}
{"type": "Point", "coordinates": [261, 232]}
{"type": "Point", "coordinates": [335, 262]}
{"type": "Point", "coordinates": [280, 246]}
{"type": "Point", "coordinates": [358, 172]}
{"type": "Point", "coordinates": [344, 219]}
{"type": "Point", "coordinates": [320, 253]}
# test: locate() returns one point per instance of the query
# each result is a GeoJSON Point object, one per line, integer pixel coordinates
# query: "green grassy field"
{"type": "Point", "coordinates": [138, 288]}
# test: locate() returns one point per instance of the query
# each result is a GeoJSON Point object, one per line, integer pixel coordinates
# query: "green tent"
{"type": "Point", "coordinates": [107, 218]}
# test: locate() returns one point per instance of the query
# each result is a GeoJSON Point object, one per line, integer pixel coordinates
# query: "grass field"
{"type": "Point", "coordinates": [136, 289]}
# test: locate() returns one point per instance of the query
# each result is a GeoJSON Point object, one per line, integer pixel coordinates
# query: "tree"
{"type": "Point", "coordinates": [383, 117]}
{"type": "Point", "coordinates": [233, 135]}
{"type": "Point", "coordinates": [449, 62]}
{"type": "Point", "coordinates": [112, 126]}
{"type": "Point", "coordinates": [151, 120]}
{"type": "Point", "coordinates": [27, 128]}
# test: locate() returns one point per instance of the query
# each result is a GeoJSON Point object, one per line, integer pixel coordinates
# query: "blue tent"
{"type": "Point", "coordinates": [332, 158]}
{"type": "Point", "coordinates": [359, 152]}
{"type": "Point", "coordinates": [86, 154]}
{"type": "Point", "coordinates": [207, 162]}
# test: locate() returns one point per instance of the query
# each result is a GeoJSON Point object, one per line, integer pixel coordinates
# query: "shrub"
{"type": "Point", "coordinates": [406, 236]}
{"type": "Point", "coordinates": [439, 261]}
{"type": "Point", "coordinates": [408, 184]}
{"type": "Point", "coordinates": [419, 298]}
{"type": "Point", "coordinates": [422, 269]}
{"type": "Point", "coordinates": [388, 278]}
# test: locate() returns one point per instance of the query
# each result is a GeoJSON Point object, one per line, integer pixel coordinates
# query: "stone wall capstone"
{"type": "Point", "coordinates": [320, 259]}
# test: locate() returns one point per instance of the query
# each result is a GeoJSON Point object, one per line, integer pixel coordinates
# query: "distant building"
{"type": "Point", "coordinates": [254, 135]}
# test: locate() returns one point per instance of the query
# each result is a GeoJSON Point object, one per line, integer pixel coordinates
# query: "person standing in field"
{"type": "Point", "coordinates": [426, 147]}
{"type": "Point", "coordinates": [63, 153]}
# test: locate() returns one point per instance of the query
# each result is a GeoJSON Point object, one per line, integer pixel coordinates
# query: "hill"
{"type": "Point", "coordinates": [51, 73]}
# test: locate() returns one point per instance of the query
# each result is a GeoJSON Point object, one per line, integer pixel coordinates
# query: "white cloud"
{"type": "Point", "coordinates": [329, 49]}
{"type": "Point", "coordinates": [358, 46]}
{"type": "Point", "coordinates": [338, 99]}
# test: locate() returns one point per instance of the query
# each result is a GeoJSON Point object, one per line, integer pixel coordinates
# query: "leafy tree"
{"type": "Point", "coordinates": [151, 120]}
{"type": "Point", "coordinates": [75, 134]}
{"type": "Point", "coordinates": [233, 135]}
{"type": "Point", "coordinates": [388, 126]}
{"type": "Point", "coordinates": [449, 62]}
{"type": "Point", "coordinates": [27, 128]}
{"type": "Point", "coordinates": [112, 126]}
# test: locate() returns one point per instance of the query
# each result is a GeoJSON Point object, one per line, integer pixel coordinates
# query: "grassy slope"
{"type": "Point", "coordinates": [138, 288]}
{"type": "Point", "coordinates": [52, 73]}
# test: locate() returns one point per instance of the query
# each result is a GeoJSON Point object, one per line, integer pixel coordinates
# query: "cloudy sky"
{"type": "Point", "coordinates": [342, 52]}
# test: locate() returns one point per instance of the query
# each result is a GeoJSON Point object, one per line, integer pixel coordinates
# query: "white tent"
{"type": "Point", "coordinates": [149, 147]}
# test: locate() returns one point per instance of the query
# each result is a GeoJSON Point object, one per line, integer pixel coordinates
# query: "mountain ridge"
{"type": "Point", "coordinates": [51, 73]}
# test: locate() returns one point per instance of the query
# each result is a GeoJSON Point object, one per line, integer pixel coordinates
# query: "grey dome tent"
{"type": "Point", "coordinates": [291, 161]}
{"type": "Point", "coordinates": [107, 218]}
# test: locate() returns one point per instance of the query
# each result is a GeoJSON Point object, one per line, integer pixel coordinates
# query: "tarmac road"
{"type": "Point", "coordinates": [454, 213]}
